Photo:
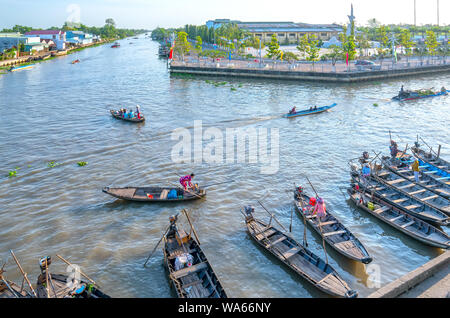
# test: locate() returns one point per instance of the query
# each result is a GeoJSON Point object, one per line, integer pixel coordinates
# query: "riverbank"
{"type": "Point", "coordinates": [323, 73]}
{"type": "Point", "coordinates": [45, 56]}
{"type": "Point", "coordinates": [431, 280]}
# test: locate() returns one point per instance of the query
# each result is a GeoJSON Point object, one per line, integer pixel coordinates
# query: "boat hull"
{"type": "Point", "coordinates": [310, 112]}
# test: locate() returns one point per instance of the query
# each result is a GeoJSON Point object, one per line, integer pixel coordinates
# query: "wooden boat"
{"type": "Point", "coordinates": [309, 111]}
{"type": "Point", "coordinates": [197, 280]}
{"type": "Point", "coordinates": [410, 205]}
{"type": "Point", "coordinates": [59, 53]}
{"type": "Point", "coordinates": [76, 61]}
{"type": "Point", "coordinates": [46, 57]}
{"type": "Point", "coordinates": [428, 178]}
{"type": "Point", "coordinates": [413, 190]}
{"type": "Point", "coordinates": [400, 220]}
{"type": "Point", "coordinates": [9, 289]}
{"type": "Point", "coordinates": [58, 285]}
{"type": "Point", "coordinates": [20, 68]}
{"type": "Point", "coordinates": [411, 95]}
{"type": "Point", "coordinates": [432, 159]}
{"type": "Point", "coordinates": [297, 257]}
{"type": "Point", "coordinates": [115, 45]}
{"type": "Point", "coordinates": [153, 194]}
{"type": "Point", "coordinates": [332, 231]}
{"type": "Point", "coordinates": [115, 114]}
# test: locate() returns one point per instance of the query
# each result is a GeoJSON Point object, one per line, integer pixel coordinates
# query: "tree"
{"type": "Point", "coordinates": [363, 43]}
{"type": "Point", "coordinates": [303, 45]}
{"type": "Point", "coordinates": [289, 56]}
{"type": "Point", "coordinates": [182, 46]}
{"type": "Point", "coordinates": [198, 44]}
{"type": "Point", "coordinates": [431, 42]}
{"type": "Point", "coordinates": [381, 34]}
{"type": "Point", "coordinates": [373, 23]}
{"type": "Point", "coordinates": [274, 51]}
{"type": "Point", "coordinates": [313, 49]}
{"type": "Point", "coordinates": [405, 42]}
{"type": "Point", "coordinates": [111, 22]}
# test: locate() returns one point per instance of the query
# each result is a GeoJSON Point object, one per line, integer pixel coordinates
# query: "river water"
{"type": "Point", "coordinates": [60, 112]}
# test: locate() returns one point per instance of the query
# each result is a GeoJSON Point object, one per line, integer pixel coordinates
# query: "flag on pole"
{"type": "Point", "coordinates": [281, 55]}
{"type": "Point", "coordinates": [171, 50]}
{"type": "Point", "coordinates": [347, 59]}
{"type": "Point", "coordinates": [395, 54]}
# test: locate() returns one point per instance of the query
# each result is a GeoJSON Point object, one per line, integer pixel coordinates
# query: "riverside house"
{"type": "Point", "coordinates": [57, 36]}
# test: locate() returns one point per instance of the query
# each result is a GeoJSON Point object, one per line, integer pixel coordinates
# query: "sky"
{"type": "Point", "coordinates": [148, 14]}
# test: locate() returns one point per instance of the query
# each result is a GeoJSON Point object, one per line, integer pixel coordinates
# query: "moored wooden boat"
{"type": "Point", "coordinates": [297, 257]}
{"type": "Point", "coordinates": [115, 45]}
{"type": "Point", "coordinates": [400, 220]}
{"type": "Point", "coordinates": [189, 270]}
{"type": "Point", "coordinates": [410, 205]}
{"type": "Point", "coordinates": [9, 289]}
{"type": "Point", "coordinates": [20, 68]}
{"type": "Point", "coordinates": [62, 286]}
{"type": "Point", "coordinates": [332, 231]}
{"type": "Point", "coordinates": [432, 159]}
{"type": "Point", "coordinates": [59, 53]}
{"type": "Point", "coordinates": [115, 114]}
{"type": "Point", "coordinates": [428, 177]}
{"type": "Point", "coordinates": [153, 194]}
{"type": "Point", "coordinates": [309, 111]}
{"type": "Point", "coordinates": [413, 190]}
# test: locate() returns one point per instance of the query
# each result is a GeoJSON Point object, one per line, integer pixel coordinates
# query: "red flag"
{"type": "Point", "coordinates": [171, 53]}
{"type": "Point", "coordinates": [347, 59]}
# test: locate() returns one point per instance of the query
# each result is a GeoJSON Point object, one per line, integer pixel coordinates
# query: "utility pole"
{"type": "Point", "coordinates": [415, 13]}
{"type": "Point", "coordinates": [438, 12]}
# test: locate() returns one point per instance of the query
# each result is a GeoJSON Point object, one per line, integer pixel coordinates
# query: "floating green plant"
{"type": "Point", "coordinates": [53, 164]}
{"type": "Point", "coordinates": [233, 88]}
{"type": "Point", "coordinates": [82, 163]}
{"type": "Point", "coordinates": [12, 173]}
{"type": "Point", "coordinates": [29, 166]}
{"type": "Point", "coordinates": [375, 104]}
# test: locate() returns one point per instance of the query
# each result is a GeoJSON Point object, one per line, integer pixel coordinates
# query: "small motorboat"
{"type": "Point", "coordinates": [405, 95]}
{"type": "Point", "coordinates": [115, 45]}
{"type": "Point", "coordinates": [311, 111]}
{"type": "Point", "coordinates": [117, 115]}
{"type": "Point", "coordinates": [76, 61]}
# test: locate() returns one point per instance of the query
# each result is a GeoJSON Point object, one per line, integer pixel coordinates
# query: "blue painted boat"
{"type": "Point", "coordinates": [310, 111]}
{"type": "Point", "coordinates": [415, 95]}
{"type": "Point", "coordinates": [19, 68]}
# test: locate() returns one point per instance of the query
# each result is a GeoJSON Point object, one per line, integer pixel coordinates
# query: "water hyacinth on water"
{"type": "Point", "coordinates": [12, 173]}
{"type": "Point", "coordinates": [53, 164]}
{"type": "Point", "coordinates": [82, 163]}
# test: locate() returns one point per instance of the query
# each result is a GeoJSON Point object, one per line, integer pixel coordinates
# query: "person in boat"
{"type": "Point", "coordinates": [416, 169]}
{"type": "Point", "coordinates": [366, 171]}
{"type": "Point", "coordinates": [125, 113]}
{"type": "Point", "coordinates": [187, 181]}
{"type": "Point", "coordinates": [292, 111]}
{"type": "Point", "coordinates": [443, 89]}
{"type": "Point", "coordinates": [311, 108]}
{"type": "Point", "coordinates": [394, 149]}
{"type": "Point", "coordinates": [320, 209]}
{"type": "Point", "coordinates": [315, 107]}
{"type": "Point", "coordinates": [131, 114]}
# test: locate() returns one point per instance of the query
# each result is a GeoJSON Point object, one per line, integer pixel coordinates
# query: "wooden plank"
{"type": "Point", "coordinates": [291, 252]}
{"type": "Point", "coordinates": [407, 186]}
{"type": "Point", "coordinates": [417, 192]}
{"type": "Point", "coordinates": [329, 223]}
{"type": "Point", "coordinates": [401, 200]}
{"type": "Point", "coordinates": [396, 218]}
{"type": "Point", "coordinates": [334, 233]}
{"type": "Point", "coordinates": [410, 207]}
{"type": "Point", "coordinates": [281, 239]}
{"type": "Point", "coordinates": [382, 209]}
{"type": "Point", "coordinates": [189, 270]}
{"type": "Point", "coordinates": [395, 181]}
{"type": "Point", "coordinates": [408, 224]}
{"type": "Point", "coordinates": [311, 216]}
{"type": "Point", "coordinates": [430, 197]}
{"type": "Point", "coordinates": [443, 178]}
{"type": "Point", "coordinates": [195, 282]}
{"type": "Point", "coordinates": [429, 172]}
{"type": "Point", "coordinates": [383, 174]}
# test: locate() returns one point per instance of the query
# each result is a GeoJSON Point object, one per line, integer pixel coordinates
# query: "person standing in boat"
{"type": "Point", "coordinates": [416, 169]}
{"type": "Point", "coordinates": [187, 181]}
{"type": "Point", "coordinates": [320, 209]}
{"type": "Point", "coordinates": [138, 111]}
{"type": "Point", "coordinates": [394, 149]}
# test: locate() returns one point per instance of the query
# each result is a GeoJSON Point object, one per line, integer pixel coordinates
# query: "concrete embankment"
{"type": "Point", "coordinates": [431, 280]}
{"type": "Point", "coordinates": [341, 77]}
